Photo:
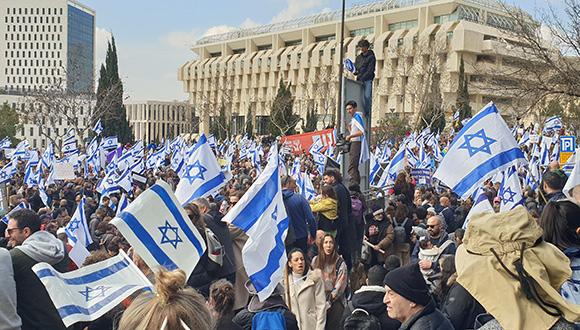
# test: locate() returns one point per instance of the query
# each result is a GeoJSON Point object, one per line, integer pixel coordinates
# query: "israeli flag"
{"type": "Point", "coordinates": [123, 203]}
{"type": "Point", "coordinates": [113, 182]}
{"type": "Point", "coordinates": [261, 214]}
{"type": "Point", "coordinates": [483, 147]}
{"type": "Point", "coordinates": [109, 143]}
{"type": "Point", "coordinates": [456, 115]}
{"type": "Point", "coordinates": [375, 166]}
{"type": "Point", "coordinates": [510, 190]}
{"type": "Point", "coordinates": [296, 165]}
{"type": "Point", "coordinates": [319, 160]}
{"type": "Point", "coordinates": [307, 188]}
{"type": "Point", "coordinates": [20, 206]}
{"type": "Point", "coordinates": [574, 178]}
{"type": "Point", "coordinates": [88, 293]}
{"type": "Point", "coordinates": [98, 128]}
{"type": "Point", "coordinates": [480, 205]}
{"type": "Point", "coordinates": [77, 229]}
{"type": "Point", "coordinates": [533, 176]}
{"type": "Point", "coordinates": [5, 143]}
{"type": "Point", "coordinates": [553, 124]}
{"type": "Point", "coordinates": [48, 157]}
{"type": "Point", "coordinates": [160, 231]}
{"type": "Point", "coordinates": [364, 148]}
{"type": "Point", "coordinates": [69, 144]}
{"type": "Point", "coordinates": [396, 165]}
{"type": "Point", "coordinates": [202, 174]}
{"type": "Point", "coordinates": [7, 172]}
{"type": "Point", "coordinates": [317, 146]}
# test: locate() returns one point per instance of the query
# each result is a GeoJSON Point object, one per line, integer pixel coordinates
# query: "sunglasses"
{"type": "Point", "coordinates": [432, 226]}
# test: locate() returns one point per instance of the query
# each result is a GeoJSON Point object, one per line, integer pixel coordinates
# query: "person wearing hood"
{"type": "Point", "coordinates": [31, 246]}
{"type": "Point", "coordinates": [408, 301]}
{"type": "Point", "coordinates": [304, 292]}
{"type": "Point", "coordinates": [9, 319]}
{"type": "Point", "coordinates": [302, 222]}
{"type": "Point", "coordinates": [370, 299]}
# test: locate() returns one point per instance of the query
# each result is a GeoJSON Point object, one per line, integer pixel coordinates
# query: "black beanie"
{"type": "Point", "coordinates": [408, 282]}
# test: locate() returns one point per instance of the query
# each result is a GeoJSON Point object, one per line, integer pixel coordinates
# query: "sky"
{"type": "Point", "coordinates": [154, 38]}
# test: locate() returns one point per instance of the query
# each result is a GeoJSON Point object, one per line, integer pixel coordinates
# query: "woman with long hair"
{"type": "Point", "coordinates": [335, 277]}
{"type": "Point", "coordinates": [304, 292]}
{"type": "Point", "coordinates": [172, 306]}
{"type": "Point", "coordinates": [204, 272]}
{"type": "Point", "coordinates": [561, 223]}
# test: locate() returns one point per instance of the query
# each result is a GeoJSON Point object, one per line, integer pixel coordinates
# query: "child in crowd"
{"type": "Point", "coordinates": [327, 209]}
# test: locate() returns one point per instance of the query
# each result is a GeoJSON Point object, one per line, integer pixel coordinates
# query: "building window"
{"type": "Point", "coordinates": [362, 32]}
{"type": "Point", "coordinates": [216, 54]}
{"type": "Point", "coordinates": [290, 43]}
{"type": "Point", "coordinates": [406, 25]}
{"type": "Point", "coordinates": [239, 51]}
{"type": "Point", "coordinates": [264, 47]}
{"type": "Point", "coordinates": [325, 37]}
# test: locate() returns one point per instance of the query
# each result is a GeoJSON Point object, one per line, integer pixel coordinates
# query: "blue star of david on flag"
{"type": "Point", "coordinates": [275, 214]}
{"type": "Point", "coordinates": [194, 171]}
{"type": "Point", "coordinates": [473, 149]}
{"type": "Point", "coordinates": [165, 238]}
{"type": "Point", "coordinates": [510, 197]}
{"type": "Point", "coordinates": [74, 225]}
{"type": "Point", "coordinates": [3, 175]}
{"type": "Point", "coordinates": [92, 293]}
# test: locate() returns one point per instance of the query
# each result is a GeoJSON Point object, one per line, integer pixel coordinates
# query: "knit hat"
{"type": "Point", "coordinates": [408, 282]}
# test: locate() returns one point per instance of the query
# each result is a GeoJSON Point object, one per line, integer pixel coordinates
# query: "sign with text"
{"type": "Point", "coordinates": [300, 143]}
{"type": "Point", "coordinates": [64, 171]}
{"type": "Point", "coordinates": [422, 175]}
{"type": "Point", "coordinates": [567, 148]}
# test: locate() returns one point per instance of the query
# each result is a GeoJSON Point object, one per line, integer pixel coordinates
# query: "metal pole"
{"type": "Point", "coordinates": [339, 109]}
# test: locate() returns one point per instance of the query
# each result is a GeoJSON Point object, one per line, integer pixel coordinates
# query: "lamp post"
{"type": "Point", "coordinates": [341, 71]}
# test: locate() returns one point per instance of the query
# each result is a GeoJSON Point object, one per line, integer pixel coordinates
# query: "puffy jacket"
{"type": "Point", "coordinates": [370, 298]}
{"type": "Point", "coordinates": [430, 318]}
{"type": "Point", "coordinates": [300, 214]}
{"type": "Point", "coordinates": [461, 308]}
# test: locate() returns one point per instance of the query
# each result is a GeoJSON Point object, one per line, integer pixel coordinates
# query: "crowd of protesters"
{"type": "Point", "coordinates": [395, 260]}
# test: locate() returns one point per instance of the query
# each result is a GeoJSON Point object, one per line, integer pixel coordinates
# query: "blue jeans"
{"type": "Point", "coordinates": [367, 97]}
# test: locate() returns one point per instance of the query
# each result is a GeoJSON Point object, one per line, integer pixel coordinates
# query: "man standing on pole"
{"type": "Point", "coordinates": [365, 73]}
{"type": "Point", "coordinates": [356, 132]}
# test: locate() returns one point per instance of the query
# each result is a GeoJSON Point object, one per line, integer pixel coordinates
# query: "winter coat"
{"type": "Point", "coordinates": [242, 296]}
{"type": "Point", "coordinates": [365, 66]}
{"type": "Point", "coordinates": [429, 318]}
{"type": "Point", "coordinates": [307, 300]}
{"type": "Point", "coordinates": [383, 237]}
{"type": "Point", "coordinates": [9, 319]}
{"type": "Point", "coordinates": [221, 231]}
{"type": "Point", "coordinates": [34, 304]}
{"type": "Point", "coordinates": [327, 214]}
{"type": "Point", "coordinates": [460, 307]}
{"type": "Point", "coordinates": [346, 232]}
{"type": "Point", "coordinates": [370, 298]}
{"type": "Point", "coordinates": [244, 317]}
{"type": "Point", "coordinates": [300, 215]}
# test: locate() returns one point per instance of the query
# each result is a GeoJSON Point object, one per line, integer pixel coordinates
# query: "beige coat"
{"type": "Point", "coordinates": [308, 302]}
{"type": "Point", "coordinates": [242, 296]}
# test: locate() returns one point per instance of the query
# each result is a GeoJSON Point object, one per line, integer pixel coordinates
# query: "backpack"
{"type": "Point", "coordinates": [360, 319]}
{"type": "Point", "coordinates": [270, 320]}
{"type": "Point", "coordinates": [356, 209]}
{"type": "Point", "coordinates": [400, 232]}
{"type": "Point", "coordinates": [215, 249]}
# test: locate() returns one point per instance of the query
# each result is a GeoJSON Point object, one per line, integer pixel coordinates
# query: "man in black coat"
{"type": "Point", "coordinates": [346, 230]}
{"type": "Point", "coordinates": [365, 64]}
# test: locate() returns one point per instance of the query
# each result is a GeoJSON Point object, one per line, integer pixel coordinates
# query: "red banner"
{"type": "Point", "coordinates": [300, 143]}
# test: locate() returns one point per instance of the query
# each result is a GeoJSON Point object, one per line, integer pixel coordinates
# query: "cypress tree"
{"type": "Point", "coordinates": [250, 123]}
{"type": "Point", "coordinates": [462, 103]}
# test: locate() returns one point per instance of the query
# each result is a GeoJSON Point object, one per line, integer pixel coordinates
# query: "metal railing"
{"type": "Point", "coordinates": [355, 11]}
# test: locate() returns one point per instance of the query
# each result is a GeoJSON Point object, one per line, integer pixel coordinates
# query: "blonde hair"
{"type": "Point", "coordinates": [172, 307]}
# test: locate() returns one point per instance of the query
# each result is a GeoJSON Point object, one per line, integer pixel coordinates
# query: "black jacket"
{"type": "Point", "coordinates": [461, 308]}
{"type": "Point", "coordinates": [345, 226]}
{"type": "Point", "coordinates": [365, 66]}
{"type": "Point", "coordinates": [430, 318]}
{"type": "Point", "coordinates": [220, 229]}
{"type": "Point", "coordinates": [370, 298]}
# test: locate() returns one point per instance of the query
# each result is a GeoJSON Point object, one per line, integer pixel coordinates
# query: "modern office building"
{"type": "Point", "coordinates": [411, 39]}
{"type": "Point", "coordinates": [45, 44]}
{"type": "Point", "coordinates": [153, 121]}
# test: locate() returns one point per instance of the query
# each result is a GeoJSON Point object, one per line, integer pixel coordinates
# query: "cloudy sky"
{"type": "Point", "coordinates": [154, 37]}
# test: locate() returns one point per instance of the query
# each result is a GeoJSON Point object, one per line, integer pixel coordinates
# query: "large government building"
{"type": "Point", "coordinates": [43, 44]}
{"type": "Point", "coordinates": [154, 121]}
{"type": "Point", "coordinates": [412, 40]}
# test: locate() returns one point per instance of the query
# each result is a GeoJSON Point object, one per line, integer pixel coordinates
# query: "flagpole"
{"type": "Point", "coordinates": [341, 70]}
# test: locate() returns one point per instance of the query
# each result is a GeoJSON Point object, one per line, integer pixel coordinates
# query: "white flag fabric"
{"type": "Point", "coordinates": [483, 147]}
{"type": "Point", "coordinates": [307, 188]}
{"type": "Point", "coordinates": [77, 229]}
{"type": "Point", "coordinates": [364, 148]}
{"type": "Point", "coordinates": [123, 203]}
{"type": "Point", "coordinates": [20, 206]}
{"type": "Point", "coordinates": [202, 174]}
{"type": "Point", "coordinates": [261, 214]}
{"type": "Point", "coordinates": [574, 178]}
{"type": "Point", "coordinates": [88, 293]}
{"type": "Point", "coordinates": [510, 190]}
{"type": "Point", "coordinates": [160, 231]}
{"type": "Point", "coordinates": [396, 165]}
{"type": "Point", "coordinates": [480, 205]}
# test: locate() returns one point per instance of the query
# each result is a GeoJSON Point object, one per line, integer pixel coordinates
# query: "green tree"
{"type": "Point", "coordinates": [462, 103]}
{"type": "Point", "coordinates": [311, 121]}
{"type": "Point", "coordinates": [282, 118]}
{"type": "Point", "coordinates": [218, 126]}
{"type": "Point", "coordinates": [250, 123]}
{"type": "Point", "coordinates": [391, 128]}
{"type": "Point", "coordinates": [10, 123]}
{"type": "Point", "coordinates": [432, 113]}
{"type": "Point", "coordinates": [113, 115]}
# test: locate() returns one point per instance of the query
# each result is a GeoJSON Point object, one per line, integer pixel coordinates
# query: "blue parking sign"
{"type": "Point", "coordinates": [567, 143]}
